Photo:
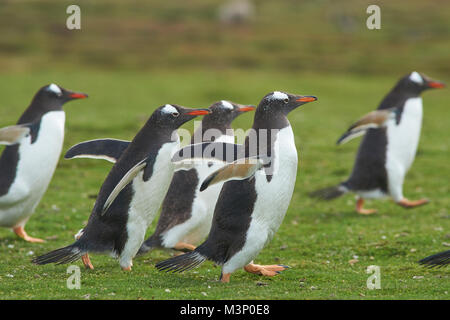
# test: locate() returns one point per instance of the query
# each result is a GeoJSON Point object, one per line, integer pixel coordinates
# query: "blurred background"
{"type": "Point", "coordinates": [287, 35]}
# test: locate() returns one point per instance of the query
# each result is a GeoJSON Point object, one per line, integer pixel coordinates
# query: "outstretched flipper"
{"type": "Point", "coordinates": [373, 120]}
{"type": "Point", "coordinates": [13, 134]}
{"type": "Point", "coordinates": [238, 170]}
{"type": "Point", "coordinates": [215, 151]}
{"type": "Point", "coordinates": [106, 149]}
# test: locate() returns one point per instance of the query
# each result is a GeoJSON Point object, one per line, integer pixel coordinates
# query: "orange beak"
{"type": "Point", "coordinates": [198, 112]}
{"type": "Point", "coordinates": [246, 108]}
{"type": "Point", "coordinates": [306, 99]}
{"type": "Point", "coordinates": [78, 95]}
{"type": "Point", "coordinates": [436, 84]}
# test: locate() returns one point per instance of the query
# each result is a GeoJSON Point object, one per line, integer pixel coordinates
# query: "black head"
{"type": "Point", "coordinates": [415, 83]}
{"type": "Point", "coordinates": [49, 98]}
{"type": "Point", "coordinates": [172, 116]}
{"type": "Point", "coordinates": [281, 103]}
{"type": "Point", "coordinates": [223, 113]}
{"type": "Point", "coordinates": [53, 97]}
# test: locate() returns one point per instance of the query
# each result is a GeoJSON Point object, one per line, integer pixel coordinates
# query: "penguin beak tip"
{"type": "Point", "coordinates": [246, 108]}
{"type": "Point", "coordinates": [307, 99]}
{"type": "Point", "coordinates": [436, 84]}
{"type": "Point", "coordinates": [78, 95]}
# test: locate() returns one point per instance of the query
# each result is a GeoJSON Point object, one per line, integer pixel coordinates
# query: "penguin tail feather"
{"type": "Point", "coordinates": [330, 192]}
{"type": "Point", "coordinates": [60, 256]}
{"type": "Point", "coordinates": [182, 262]}
{"type": "Point", "coordinates": [437, 260]}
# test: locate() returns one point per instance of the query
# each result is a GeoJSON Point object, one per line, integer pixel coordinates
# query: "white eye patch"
{"type": "Point", "coordinates": [416, 77]}
{"type": "Point", "coordinates": [277, 95]}
{"type": "Point", "coordinates": [168, 108]}
{"type": "Point", "coordinates": [54, 88]}
{"type": "Point", "coordinates": [227, 105]}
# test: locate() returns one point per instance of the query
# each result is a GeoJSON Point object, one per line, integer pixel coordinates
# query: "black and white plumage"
{"type": "Point", "coordinates": [186, 213]}
{"type": "Point", "coordinates": [252, 205]}
{"type": "Point", "coordinates": [28, 163]}
{"type": "Point", "coordinates": [387, 152]}
{"type": "Point", "coordinates": [131, 193]}
{"type": "Point", "coordinates": [106, 149]}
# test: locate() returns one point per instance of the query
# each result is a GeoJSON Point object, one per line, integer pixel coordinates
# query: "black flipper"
{"type": "Point", "coordinates": [225, 152]}
{"type": "Point", "coordinates": [106, 149]}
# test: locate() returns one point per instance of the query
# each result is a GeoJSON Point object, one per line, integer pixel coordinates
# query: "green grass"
{"type": "Point", "coordinates": [317, 239]}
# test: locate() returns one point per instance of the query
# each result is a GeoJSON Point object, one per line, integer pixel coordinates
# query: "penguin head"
{"type": "Point", "coordinates": [172, 116]}
{"type": "Point", "coordinates": [278, 102]}
{"type": "Point", "coordinates": [53, 97]}
{"type": "Point", "coordinates": [418, 82]}
{"type": "Point", "coordinates": [224, 112]}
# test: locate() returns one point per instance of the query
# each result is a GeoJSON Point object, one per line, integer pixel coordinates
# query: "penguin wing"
{"type": "Point", "coordinates": [208, 151]}
{"type": "Point", "coordinates": [238, 170]}
{"type": "Point", "coordinates": [130, 175]}
{"type": "Point", "coordinates": [13, 134]}
{"type": "Point", "coordinates": [106, 149]}
{"type": "Point", "coordinates": [372, 120]}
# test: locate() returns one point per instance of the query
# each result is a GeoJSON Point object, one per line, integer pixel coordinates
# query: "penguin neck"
{"type": "Point", "coordinates": [37, 109]}
{"type": "Point", "coordinates": [209, 123]}
{"type": "Point", "coordinates": [266, 127]}
{"type": "Point", "coordinates": [154, 134]}
{"type": "Point", "coordinates": [270, 120]}
{"type": "Point", "coordinates": [398, 96]}
{"type": "Point", "coordinates": [211, 130]}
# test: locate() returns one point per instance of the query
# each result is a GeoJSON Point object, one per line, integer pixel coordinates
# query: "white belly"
{"type": "Point", "coordinates": [272, 201]}
{"type": "Point", "coordinates": [197, 227]}
{"type": "Point", "coordinates": [148, 195]}
{"type": "Point", "coordinates": [402, 143]}
{"type": "Point", "coordinates": [35, 169]}
{"type": "Point", "coordinates": [147, 199]}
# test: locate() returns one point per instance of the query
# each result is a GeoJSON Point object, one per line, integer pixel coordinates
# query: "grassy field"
{"type": "Point", "coordinates": [317, 239]}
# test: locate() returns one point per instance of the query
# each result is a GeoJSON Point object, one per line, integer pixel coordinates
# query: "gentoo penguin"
{"type": "Point", "coordinates": [386, 153]}
{"type": "Point", "coordinates": [251, 206]}
{"type": "Point", "coordinates": [27, 166]}
{"type": "Point", "coordinates": [131, 193]}
{"type": "Point", "coordinates": [437, 260]}
{"type": "Point", "coordinates": [186, 213]}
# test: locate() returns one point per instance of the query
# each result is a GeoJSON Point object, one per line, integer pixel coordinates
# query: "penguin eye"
{"type": "Point", "coordinates": [286, 100]}
{"type": "Point", "coordinates": [175, 114]}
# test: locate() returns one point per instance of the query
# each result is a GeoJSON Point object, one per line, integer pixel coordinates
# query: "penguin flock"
{"type": "Point", "coordinates": [218, 200]}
